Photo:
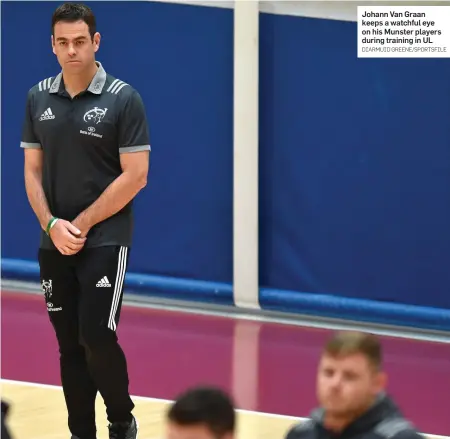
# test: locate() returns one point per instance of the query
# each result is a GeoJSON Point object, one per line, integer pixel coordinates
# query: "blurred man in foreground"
{"type": "Point", "coordinates": [5, 433]}
{"type": "Point", "coordinates": [351, 391]}
{"type": "Point", "coordinates": [202, 413]}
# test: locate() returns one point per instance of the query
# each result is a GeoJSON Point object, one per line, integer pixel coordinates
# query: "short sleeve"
{"type": "Point", "coordinates": [133, 127]}
{"type": "Point", "coordinates": [29, 138]}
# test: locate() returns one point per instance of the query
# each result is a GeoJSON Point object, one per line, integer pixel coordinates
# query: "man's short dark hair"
{"type": "Point", "coordinates": [208, 406]}
{"type": "Point", "coordinates": [345, 343]}
{"type": "Point", "coordinates": [72, 12]}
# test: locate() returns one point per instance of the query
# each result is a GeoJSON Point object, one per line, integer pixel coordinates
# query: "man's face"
{"type": "Point", "coordinates": [347, 384]}
{"type": "Point", "coordinates": [200, 431]}
{"type": "Point", "coordinates": [73, 46]}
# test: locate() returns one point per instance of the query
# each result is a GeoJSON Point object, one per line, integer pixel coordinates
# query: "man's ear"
{"type": "Point", "coordinates": [96, 39]}
{"type": "Point", "coordinates": [381, 381]}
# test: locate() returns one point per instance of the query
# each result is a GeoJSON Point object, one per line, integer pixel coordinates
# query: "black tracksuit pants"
{"type": "Point", "coordinates": [83, 293]}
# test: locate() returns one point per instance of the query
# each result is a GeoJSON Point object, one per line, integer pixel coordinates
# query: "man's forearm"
{"type": "Point", "coordinates": [36, 197]}
{"type": "Point", "coordinates": [114, 198]}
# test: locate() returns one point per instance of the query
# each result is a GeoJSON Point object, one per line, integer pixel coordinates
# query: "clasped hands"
{"type": "Point", "coordinates": [69, 237]}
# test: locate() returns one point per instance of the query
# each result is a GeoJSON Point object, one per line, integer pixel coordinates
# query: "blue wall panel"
{"type": "Point", "coordinates": [354, 159]}
{"type": "Point", "coordinates": [355, 167]}
{"type": "Point", "coordinates": [180, 59]}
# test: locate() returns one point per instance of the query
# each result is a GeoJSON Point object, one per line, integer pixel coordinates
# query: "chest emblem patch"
{"type": "Point", "coordinates": [95, 115]}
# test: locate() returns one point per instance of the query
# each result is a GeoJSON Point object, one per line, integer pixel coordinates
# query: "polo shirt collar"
{"type": "Point", "coordinates": [96, 85]}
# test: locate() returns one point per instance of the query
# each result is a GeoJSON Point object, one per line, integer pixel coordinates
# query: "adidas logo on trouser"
{"type": "Point", "coordinates": [103, 282]}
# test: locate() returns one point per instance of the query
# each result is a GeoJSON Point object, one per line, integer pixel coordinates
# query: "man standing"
{"type": "Point", "coordinates": [351, 391]}
{"type": "Point", "coordinates": [86, 146]}
{"type": "Point", "coordinates": [202, 413]}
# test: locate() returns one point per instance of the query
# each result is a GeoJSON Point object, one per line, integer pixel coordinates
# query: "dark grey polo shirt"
{"type": "Point", "coordinates": [82, 139]}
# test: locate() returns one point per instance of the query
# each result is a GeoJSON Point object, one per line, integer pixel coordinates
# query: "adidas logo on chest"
{"type": "Point", "coordinates": [47, 115]}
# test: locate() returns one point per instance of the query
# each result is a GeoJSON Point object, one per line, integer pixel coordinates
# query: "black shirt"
{"type": "Point", "coordinates": [382, 421]}
{"type": "Point", "coordinates": [82, 139]}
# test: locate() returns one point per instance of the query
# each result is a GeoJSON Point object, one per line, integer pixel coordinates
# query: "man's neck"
{"type": "Point", "coordinates": [75, 84]}
{"type": "Point", "coordinates": [339, 422]}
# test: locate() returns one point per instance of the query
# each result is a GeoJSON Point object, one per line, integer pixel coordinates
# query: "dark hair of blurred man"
{"type": "Point", "coordinates": [202, 413]}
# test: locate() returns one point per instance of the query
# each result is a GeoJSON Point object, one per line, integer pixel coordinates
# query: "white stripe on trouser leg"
{"type": "Point", "coordinates": [120, 276]}
{"type": "Point", "coordinates": [121, 282]}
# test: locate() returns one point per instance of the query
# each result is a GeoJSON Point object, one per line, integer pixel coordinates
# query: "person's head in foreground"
{"type": "Point", "coordinates": [75, 39]}
{"type": "Point", "coordinates": [202, 413]}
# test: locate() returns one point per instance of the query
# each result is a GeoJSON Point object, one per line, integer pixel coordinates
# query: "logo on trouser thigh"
{"type": "Point", "coordinates": [51, 307]}
{"type": "Point", "coordinates": [47, 288]}
{"type": "Point", "coordinates": [103, 282]}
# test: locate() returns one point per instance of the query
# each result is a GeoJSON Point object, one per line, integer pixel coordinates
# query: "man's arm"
{"type": "Point", "coordinates": [119, 193]}
{"type": "Point", "coordinates": [33, 155]}
{"type": "Point", "coordinates": [134, 149]}
{"type": "Point", "coordinates": [63, 234]}
{"type": "Point", "coordinates": [33, 185]}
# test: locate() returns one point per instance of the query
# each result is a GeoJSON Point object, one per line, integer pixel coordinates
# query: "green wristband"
{"type": "Point", "coordinates": [50, 224]}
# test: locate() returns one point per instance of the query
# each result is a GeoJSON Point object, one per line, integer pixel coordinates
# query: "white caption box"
{"type": "Point", "coordinates": [403, 31]}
